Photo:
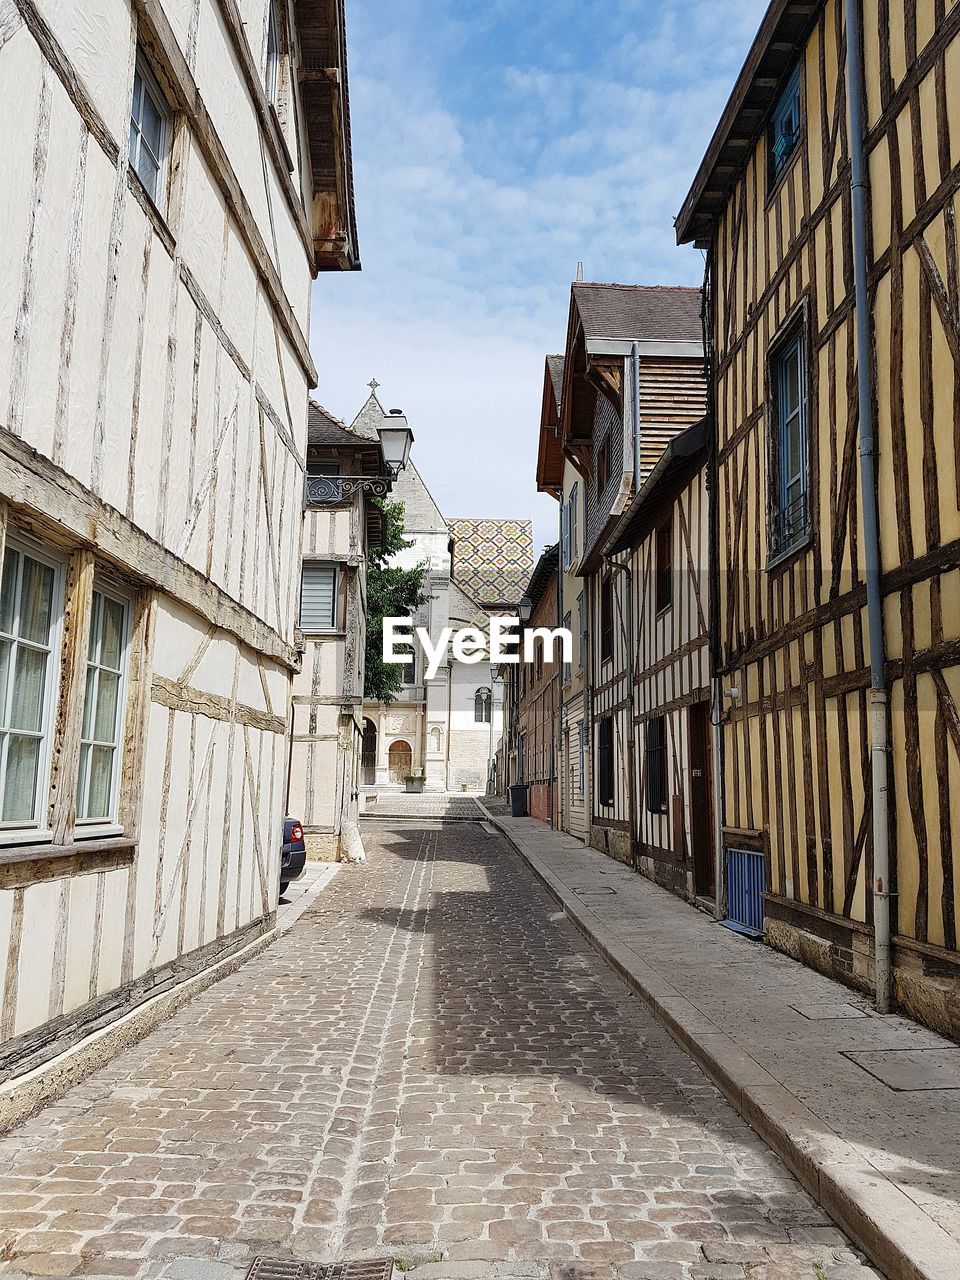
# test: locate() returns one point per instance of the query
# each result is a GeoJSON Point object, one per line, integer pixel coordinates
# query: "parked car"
{"type": "Point", "coordinates": [293, 853]}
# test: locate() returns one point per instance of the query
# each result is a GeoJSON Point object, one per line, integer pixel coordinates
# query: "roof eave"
{"type": "Point", "coordinates": [682, 448]}
{"type": "Point", "coordinates": [785, 26]}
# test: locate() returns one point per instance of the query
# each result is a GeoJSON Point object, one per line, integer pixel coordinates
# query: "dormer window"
{"type": "Point", "coordinates": [783, 131]}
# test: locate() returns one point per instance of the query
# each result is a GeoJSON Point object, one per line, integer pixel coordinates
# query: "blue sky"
{"type": "Point", "coordinates": [496, 144]}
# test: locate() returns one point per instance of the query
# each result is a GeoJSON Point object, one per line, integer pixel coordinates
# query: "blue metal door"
{"type": "Point", "coordinates": [745, 884]}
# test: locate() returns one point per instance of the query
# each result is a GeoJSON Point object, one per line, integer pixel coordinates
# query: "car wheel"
{"type": "Point", "coordinates": [283, 887]}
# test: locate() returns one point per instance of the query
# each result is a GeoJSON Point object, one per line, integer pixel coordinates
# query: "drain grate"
{"type": "Point", "coordinates": [289, 1269]}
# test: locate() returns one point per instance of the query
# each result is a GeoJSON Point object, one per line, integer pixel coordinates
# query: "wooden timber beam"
{"type": "Point", "coordinates": [30, 481]}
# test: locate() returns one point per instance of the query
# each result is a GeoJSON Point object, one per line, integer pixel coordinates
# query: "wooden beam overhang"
{"type": "Point", "coordinates": [326, 103]}
{"type": "Point", "coordinates": [782, 33]}
{"type": "Point", "coordinates": [550, 447]}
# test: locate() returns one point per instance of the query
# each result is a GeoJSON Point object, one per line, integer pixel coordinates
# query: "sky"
{"type": "Point", "coordinates": [496, 144]}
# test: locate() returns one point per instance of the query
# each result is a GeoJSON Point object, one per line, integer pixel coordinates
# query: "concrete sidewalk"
{"type": "Point", "coordinates": [864, 1109]}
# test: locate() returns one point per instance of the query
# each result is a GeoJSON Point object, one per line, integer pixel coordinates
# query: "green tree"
{"type": "Point", "coordinates": [391, 593]}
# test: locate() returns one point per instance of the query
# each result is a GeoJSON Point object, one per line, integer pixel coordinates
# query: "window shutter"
{"type": "Point", "coordinates": [318, 597]}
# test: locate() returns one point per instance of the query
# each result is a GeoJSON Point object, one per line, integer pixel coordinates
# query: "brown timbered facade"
{"type": "Point", "coordinates": [772, 203]}
{"type": "Point", "coordinates": [660, 547]}
{"type": "Point", "coordinates": [633, 379]}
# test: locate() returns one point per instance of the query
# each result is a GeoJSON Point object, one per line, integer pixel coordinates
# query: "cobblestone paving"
{"type": "Point", "coordinates": [431, 1064]}
{"type": "Point", "coordinates": [428, 804]}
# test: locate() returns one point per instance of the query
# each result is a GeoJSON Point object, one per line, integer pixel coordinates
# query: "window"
{"type": "Point", "coordinates": [149, 130]}
{"type": "Point", "coordinates": [664, 578]}
{"type": "Point", "coordinates": [605, 793]}
{"type": "Point", "coordinates": [481, 706]}
{"type": "Point", "coordinates": [581, 736]}
{"type": "Point", "coordinates": [783, 130]}
{"type": "Point", "coordinates": [656, 745]}
{"type": "Point", "coordinates": [30, 608]}
{"type": "Point", "coordinates": [318, 598]}
{"type": "Point", "coordinates": [323, 483]}
{"type": "Point", "coordinates": [101, 734]}
{"type": "Point", "coordinates": [582, 624]}
{"type": "Point", "coordinates": [603, 464]}
{"type": "Point", "coordinates": [567, 667]}
{"type": "Point", "coordinates": [409, 672]}
{"type": "Point", "coordinates": [606, 619]}
{"type": "Point", "coordinates": [568, 528]}
{"type": "Point", "coordinates": [272, 72]}
{"type": "Point", "coordinates": [788, 499]}
{"type": "Point", "coordinates": [539, 661]}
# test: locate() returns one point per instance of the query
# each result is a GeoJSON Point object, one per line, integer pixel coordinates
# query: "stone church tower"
{"type": "Point", "coordinates": [448, 727]}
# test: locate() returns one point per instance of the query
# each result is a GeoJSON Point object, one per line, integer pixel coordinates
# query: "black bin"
{"type": "Point", "coordinates": [518, 800]}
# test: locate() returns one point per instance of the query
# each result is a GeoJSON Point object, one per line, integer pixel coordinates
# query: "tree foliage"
{"type": "Point", "coordinates": [391, 593]}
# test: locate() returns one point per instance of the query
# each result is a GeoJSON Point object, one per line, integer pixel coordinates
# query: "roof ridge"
{"type": "Point", "coordinates": [648, 288]}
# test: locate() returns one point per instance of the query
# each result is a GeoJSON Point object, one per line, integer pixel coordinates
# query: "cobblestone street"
{"type": "Point", "coordinates": [430, 1065]}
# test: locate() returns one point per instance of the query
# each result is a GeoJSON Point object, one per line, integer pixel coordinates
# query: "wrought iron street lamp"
{"type": "Point", "coordinates": [395, 441]}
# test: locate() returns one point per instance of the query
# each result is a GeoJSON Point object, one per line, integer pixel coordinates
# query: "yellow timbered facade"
{"type": "Point", "coordinates": [773, 203]}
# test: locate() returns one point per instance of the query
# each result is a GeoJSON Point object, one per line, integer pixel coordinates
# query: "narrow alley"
{"type": "Point", "coordinates": [431, 1065]}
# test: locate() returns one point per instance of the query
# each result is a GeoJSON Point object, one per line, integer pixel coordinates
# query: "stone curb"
{"type": "Point", "coordinates": [897, 1236]}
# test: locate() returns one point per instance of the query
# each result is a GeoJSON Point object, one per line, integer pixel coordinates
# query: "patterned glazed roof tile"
{"type": "Point", "coordinates": [492, 559]}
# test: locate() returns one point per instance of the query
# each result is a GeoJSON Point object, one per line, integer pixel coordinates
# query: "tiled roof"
{"type": "Point", "coordinates": [492, 559]}
{"type": "Point", "coordinates": [639, 312]}
{"type": "Point", "coordinates": [555, 365]}
{"type": "Point", "coordinates": [324, 431]}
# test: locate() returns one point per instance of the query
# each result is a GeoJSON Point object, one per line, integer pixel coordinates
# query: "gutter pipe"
{"type": "Point", "coordinates": [871, 535]}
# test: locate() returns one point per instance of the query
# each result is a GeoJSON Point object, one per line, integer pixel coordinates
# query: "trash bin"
{"type": "Point", "coordinates": [518, 800]}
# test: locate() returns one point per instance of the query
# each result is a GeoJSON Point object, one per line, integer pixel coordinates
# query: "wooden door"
{"type": "Point", "coordinates": [701, 801]}
{"type": "Point", "coordinates": [400, 757]}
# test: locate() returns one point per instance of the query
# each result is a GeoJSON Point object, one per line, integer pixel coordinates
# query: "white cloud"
{"type": "Point", "coordinates": [472, 220]}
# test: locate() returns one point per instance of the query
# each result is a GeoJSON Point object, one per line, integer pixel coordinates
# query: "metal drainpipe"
{"type": "Point", "coordinates": [871, 534]}
{"type": "Point", "coordinates": [713, 574]}
{"type": "Point", "coordinates": [635, 412]}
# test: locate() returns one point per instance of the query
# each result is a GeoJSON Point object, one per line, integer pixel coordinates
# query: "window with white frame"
{"type": "Point", "coordinates": [31, 608]}
{"type": "Point", "coordinates": [482, 706]}
{"type": "Point", "coordinates": [272, 71]}
{"type": "Point", "coordinates": [318, 598]}
{"type": "Point", "coordinates": [102, 729]}
{"type": "Point", "coordinates": [150, 120]}
{"type": "Point", "coordinates": [567, 666]}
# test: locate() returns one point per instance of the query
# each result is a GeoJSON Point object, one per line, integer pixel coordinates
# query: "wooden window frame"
{"type": "Point", "coordinates": [794, 335]}
{"type": "Point", "coordinates": [149, 84]}
{"type": "Point", "coordinates": [39, 829]}
{"type": "Point", "coordinates": [663, 560]}
{"type": "Point", "coordinates": [791, 88]}
{"type": "Point", "coordinates": [334, 628]}
{"type": "Point", "coordinates": [606, 628]}
{"type": "Point", "coordinates": [657, 789]}
{"type": "Point", "coordinates": [606, 777]}
{"type": "Point", "coordinates": [109, 824]}
{"type": "Point", "coordinates": [57, 833]}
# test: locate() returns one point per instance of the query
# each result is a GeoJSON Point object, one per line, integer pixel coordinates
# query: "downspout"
{"type": "Point", "coordinates": [713, 576]}
{"type": "Point", "coordinates": [871, 533]}
{"type": "Point", "coordinates": [635, 413]}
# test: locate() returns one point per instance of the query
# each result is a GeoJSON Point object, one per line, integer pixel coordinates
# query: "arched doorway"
{"type": "Point", "coordinates": [401, 760]}
{"type": "Point", "coordinates": [368, 753]}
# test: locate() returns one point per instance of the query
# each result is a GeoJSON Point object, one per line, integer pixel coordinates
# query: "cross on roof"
{"type": "Point", "coordinates": [373, 384]}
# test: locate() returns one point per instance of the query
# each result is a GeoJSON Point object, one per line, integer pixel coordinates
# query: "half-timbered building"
{"type": "Point", "coordinates": [827, 202]}
{"type": "Point", "coordinates": [558, 476]}
{"type": "Point", "coordinates": [343, 520]}
{"type": "Point", "coordinates": [660, 546]}
{"type": "Point", "coordinates": [174, 176]}
{"type": "Point", "coordinates": [633, 378]}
